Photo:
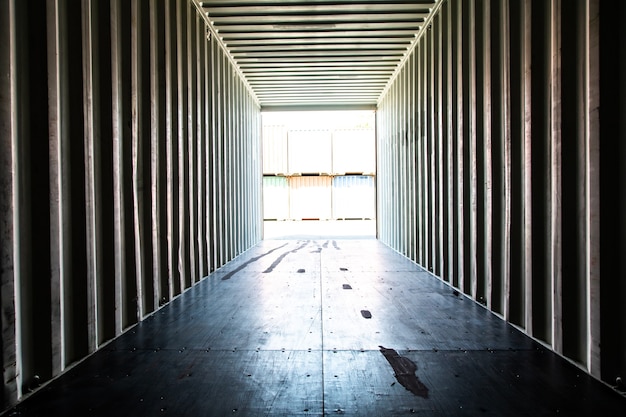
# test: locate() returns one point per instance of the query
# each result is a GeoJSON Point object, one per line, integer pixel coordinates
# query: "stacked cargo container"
{"type": "Point", "coordinates": [318, 174]}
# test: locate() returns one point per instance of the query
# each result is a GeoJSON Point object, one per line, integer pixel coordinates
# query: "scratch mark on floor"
{"type": "Point", "coordinates": [281, 257]}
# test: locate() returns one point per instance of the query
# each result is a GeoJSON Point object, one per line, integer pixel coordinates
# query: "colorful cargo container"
{"type": "Point", "coordinates": [310, 198]}
{"type": "Point", "coordinates": [354, 152]}
{"type": "Point", "coordinates": [275, 198]}
{"type": "Point", "coordinates": [354, 197]}
{"type": "Point", "coordinates": [274, 150]}
{"type": "Point", "coordinates": [309, 152]}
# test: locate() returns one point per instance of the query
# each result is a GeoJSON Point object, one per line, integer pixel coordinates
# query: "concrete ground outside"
{"type": "Point", "coordinates": [298, 229]}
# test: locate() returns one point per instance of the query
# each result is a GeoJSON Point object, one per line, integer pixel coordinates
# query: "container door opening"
{"type": "Point", "coordinates": [319, 174]}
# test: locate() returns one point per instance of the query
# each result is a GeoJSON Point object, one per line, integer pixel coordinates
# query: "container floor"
{"type": "Point", "coordinates": [323, 327]}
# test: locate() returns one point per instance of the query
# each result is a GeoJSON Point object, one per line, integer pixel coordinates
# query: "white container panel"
{"type": "Point", "coordinates": [310, 152]}
{"type": "Point", "coordinates": [274, 149]}
{"type": "Point", "coordinates": [354, 151]}
{"type": "Point", "coordinates": [275, 198]}
{"type": "Point", "coordinates": [354, 197]}
{"type": "Point", "coordinates": [310, 197]}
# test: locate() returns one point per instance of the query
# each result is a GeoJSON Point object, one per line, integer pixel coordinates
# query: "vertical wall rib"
{"type": "Point", "coordinates": [612, 179]}
{"type": "Point", "coordinates": [107, 169]}
{"type": "Point", "coordinates": [171, 141]}
{"type": "Point", "coordinates": [158, 161]}
{"type": "Point", "coordinates": [484, 173]}
{"type": "Point", "coordinates": [447, 145]}
{"type": "Point", "coordinates": [60, 242]}
{"type": "Point", "coordinates": [438, 155]}
{"type": "Point", "coordinates": [30, 200]}
{"type": "Point", "coordinates": [212, 174]}
{"type": "Point", "coordinates": [459, 121]}
{"type": "Point", "coordinates": [508, 134]}
{"type": "Point", "coordinates": [8, 139]}
{"type": "Point", "coordinates": [140, 128]}
{"type": "Point", "coordinates": [182, 145]}
{"type": "Point", "coordinates": [91, 102]}
{"type": "Point", "coordinates": [589, 49]}
{"type": "Point", "coordinates": [201, 127]}
{"type": "Point", "coordinates": [192, 138]}
{"type": "Point", "coordinates": [520, 297]}
{"type": "Point", "coordinates": [501, 148]}
{"type": "Point", "coordinates": [117, 140]}
{"type": "Point", "coordinates": [429, 142]}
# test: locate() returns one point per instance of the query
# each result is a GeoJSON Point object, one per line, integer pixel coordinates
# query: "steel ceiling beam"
{"type": "Point", "coordinates": [317, 52]}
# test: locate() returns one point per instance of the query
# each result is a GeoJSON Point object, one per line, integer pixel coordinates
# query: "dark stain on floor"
{"type": "Point", "coordinates": [281, 257]}
{"type": "Point", "coordinates": [318, 249]}
{"type": "Point", "coordinates": [404, 370]}
{"type": "Point", "coordinates": [252, 260]}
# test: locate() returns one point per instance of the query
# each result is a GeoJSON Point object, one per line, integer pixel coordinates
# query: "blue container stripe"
{"type": "Point", "coordinates": [353, 181]}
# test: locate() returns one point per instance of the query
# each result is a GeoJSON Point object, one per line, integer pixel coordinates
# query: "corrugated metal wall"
{"type": "Point", "coordinates": [490, 142]}
{"type": "Point", "coordinates": [130, 168]}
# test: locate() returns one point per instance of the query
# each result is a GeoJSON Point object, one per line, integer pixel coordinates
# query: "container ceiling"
{"type": "Point", "coordinates": [317, 53]}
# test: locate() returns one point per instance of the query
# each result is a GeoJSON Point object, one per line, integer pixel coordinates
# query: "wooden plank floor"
{"type": "Point", "coordinates": [323, 327]}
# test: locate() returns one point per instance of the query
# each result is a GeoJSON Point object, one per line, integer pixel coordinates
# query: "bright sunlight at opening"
{"type": "Point", "coordinates": [319, 174]}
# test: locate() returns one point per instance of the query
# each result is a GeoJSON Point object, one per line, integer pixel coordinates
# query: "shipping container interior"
{"type": "Point", "coordinates": [152, 150]}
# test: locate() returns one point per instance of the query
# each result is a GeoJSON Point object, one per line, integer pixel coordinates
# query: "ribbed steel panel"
{"type": "Point", "coordinates": [275, 198]}
{"type": "Point", "coordinates": [310, 197]}
{"type": "Point", "coordinates": [310, 152]}
{"type": "Point", "coordinates": [488, 148]}
{"type": "Point", "coordinates": [274, 149]}
{"type": "Point", "coordinates": [354, 152]}
{"type": "Point", "coordinates": [354, 197]}
{"type": "Point", "coordinates": [147, 149]}
{"type": "Point", "coordinates": [318, 53]}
